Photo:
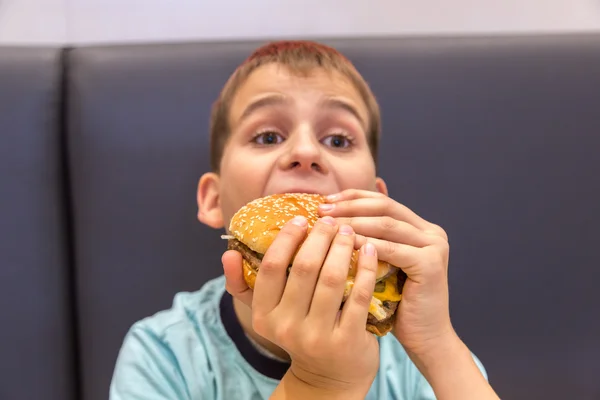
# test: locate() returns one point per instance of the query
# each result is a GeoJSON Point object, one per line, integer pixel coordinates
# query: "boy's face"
{"type": "Point", "coordinates": [290, 133]}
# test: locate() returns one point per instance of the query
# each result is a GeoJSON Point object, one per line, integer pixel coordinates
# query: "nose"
{"type": "Point", "coordinates": [304, 153]}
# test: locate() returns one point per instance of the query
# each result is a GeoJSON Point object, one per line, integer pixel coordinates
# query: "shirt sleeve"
{"type": "Point", "coordinates": [146, 369]}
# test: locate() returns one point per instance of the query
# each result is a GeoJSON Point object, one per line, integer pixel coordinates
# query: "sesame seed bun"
{"type": "Point", "coordinates": [257, 223]}
{"type": "Point", "coordinates": [254, 227]}
{"type": "Point", "coordinates": [249, 273]}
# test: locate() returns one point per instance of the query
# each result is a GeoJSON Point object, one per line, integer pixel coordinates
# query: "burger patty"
{"type": "Point", "coordinates": [252, 257]}
{"type": "Point", "coordinates": [389, 308]}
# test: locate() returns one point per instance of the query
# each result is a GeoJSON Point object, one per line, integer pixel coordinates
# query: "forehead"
{"type": "Point", "coordinates": [316, 83]}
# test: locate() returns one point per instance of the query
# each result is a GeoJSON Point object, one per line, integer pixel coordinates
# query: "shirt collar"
{"type": "Point", "coordinates": [267, 366]}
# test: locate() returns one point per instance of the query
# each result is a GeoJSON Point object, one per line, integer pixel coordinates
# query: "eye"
{"type": "Point", "coordinates": [267, 138]}
{"type": "Point", "coordinates": [338, 141]}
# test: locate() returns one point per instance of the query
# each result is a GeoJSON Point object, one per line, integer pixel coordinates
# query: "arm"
{"type": "Point", "coordinates": [146, 370]}
{"type": "Point", "coordinates": [423, 327]}
{"type": "Point", "coordinates": [452, 372]}
{"type": "Point", "coordinates": [292, 388]}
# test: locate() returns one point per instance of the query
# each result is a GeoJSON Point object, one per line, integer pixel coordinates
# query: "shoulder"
{"type": "Point", "coordinates": [193, 320]}
{"type": "Point", "coordinates": [165, 351]}
{"type": "Point", "coordinates": [188, 309]}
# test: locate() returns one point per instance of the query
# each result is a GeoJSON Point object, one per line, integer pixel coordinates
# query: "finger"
{"type": "Point", "coordinates": [350, 194]}
{"type": "Point", "coordinates": [356, 309]}
{"type": "Point", "coordinates": [271, 279]}
{"type": "Point", "coordinates": [329, 291]}
{"type": "Point", "coordinates": [307, 264]}
{"type": "Point", "coordinates": [235, 283]}
{"type": "Point", "coordinates": [387, 228]}
{"type": "Point", "coordinates": [373, 207]}
{"type": "Point", "coordinates": [359, 241]}
{"type": "Point", "coordinates": [402, 256]}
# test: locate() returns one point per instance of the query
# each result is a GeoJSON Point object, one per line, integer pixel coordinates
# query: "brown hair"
{"type": "Point", "coordinates": [301, 57]}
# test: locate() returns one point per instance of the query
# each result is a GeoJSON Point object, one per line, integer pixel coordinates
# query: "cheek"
{"type": "Point", "coordinates": [357, 175]}
{"type": "Point", "coordinates": [243, 180]}
{"type": "Point", "coordinates": [248, 171]}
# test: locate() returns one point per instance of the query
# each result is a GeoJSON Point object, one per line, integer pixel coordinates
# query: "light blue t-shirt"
{"type": "Point", "coordinates": [197, 350]}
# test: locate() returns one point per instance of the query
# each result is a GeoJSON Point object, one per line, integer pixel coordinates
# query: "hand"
{"type": "Point", "coordinates": [413, 244]}
{"type": "Point", "coordinates": [423, 326]}
{"type": "Point", "coordinates": [301, 313]}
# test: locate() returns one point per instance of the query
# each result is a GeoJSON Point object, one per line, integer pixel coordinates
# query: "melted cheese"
{"type": "Point", "coordinates": [390, 293]}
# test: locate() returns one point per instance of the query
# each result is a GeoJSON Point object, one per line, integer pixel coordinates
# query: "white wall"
{"type": "Point", "coordinates": [33, 21]}
{"type": "Point", "coordinates": [93, 21]}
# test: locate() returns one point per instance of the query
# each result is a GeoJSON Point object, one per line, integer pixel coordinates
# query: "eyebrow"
{"type": "Point", "coordinates": [339, 104]}
{"type": "Point", "coordinates": [277, 99]}
{"type": "Point", "coordinates": [263, 102]}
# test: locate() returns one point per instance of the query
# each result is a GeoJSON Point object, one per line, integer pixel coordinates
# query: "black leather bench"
{"type": "Point", "coordinates": [494, 138]}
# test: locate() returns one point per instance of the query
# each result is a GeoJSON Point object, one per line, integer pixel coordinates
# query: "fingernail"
{"type": "Point", "coordinates": [332, 197]}
{"type": "Point", "coordinates": [346, 230]}
{"type": "Point", "coordinates": [369, 249]}
{"type": "Point", "coordinates": [326, 207]}
{"type": "Point", "coordinates": [299, 221]}
{"type": "Point", "coordinates": [328, 220]}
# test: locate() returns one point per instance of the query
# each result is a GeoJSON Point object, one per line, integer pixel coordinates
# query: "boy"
{"type": "Point", "coordinates": [297, 117]}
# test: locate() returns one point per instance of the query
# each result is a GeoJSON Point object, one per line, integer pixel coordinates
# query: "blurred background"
{"type": "Point", "coordinates": [490, 115]}
{"type": "Point", "coordinates": [93, 21]}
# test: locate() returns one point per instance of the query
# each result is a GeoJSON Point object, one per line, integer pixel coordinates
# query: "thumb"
{"type": "Point", "coordinates": [235, 283]}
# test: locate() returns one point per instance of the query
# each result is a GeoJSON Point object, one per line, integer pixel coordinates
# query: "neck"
{"type": "Point", "coordinates": [244, 315]}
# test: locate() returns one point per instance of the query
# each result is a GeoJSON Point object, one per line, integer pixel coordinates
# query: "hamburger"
{"type": "Point", "coordinates": [254, 227]}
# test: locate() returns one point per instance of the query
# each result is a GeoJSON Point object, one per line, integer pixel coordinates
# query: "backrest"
{"type": "Point", "coordinates": [36, 312]}
{"type": "Point", "coordinates": [137, 147]}
{"type": "Point", "coordinates": [495, 139]}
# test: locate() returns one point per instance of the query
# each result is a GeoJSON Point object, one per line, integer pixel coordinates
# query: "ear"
{"type": "Point", "coordinates": [209, 201]}
{"type": "Point", "coordinates": [381, 186]}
